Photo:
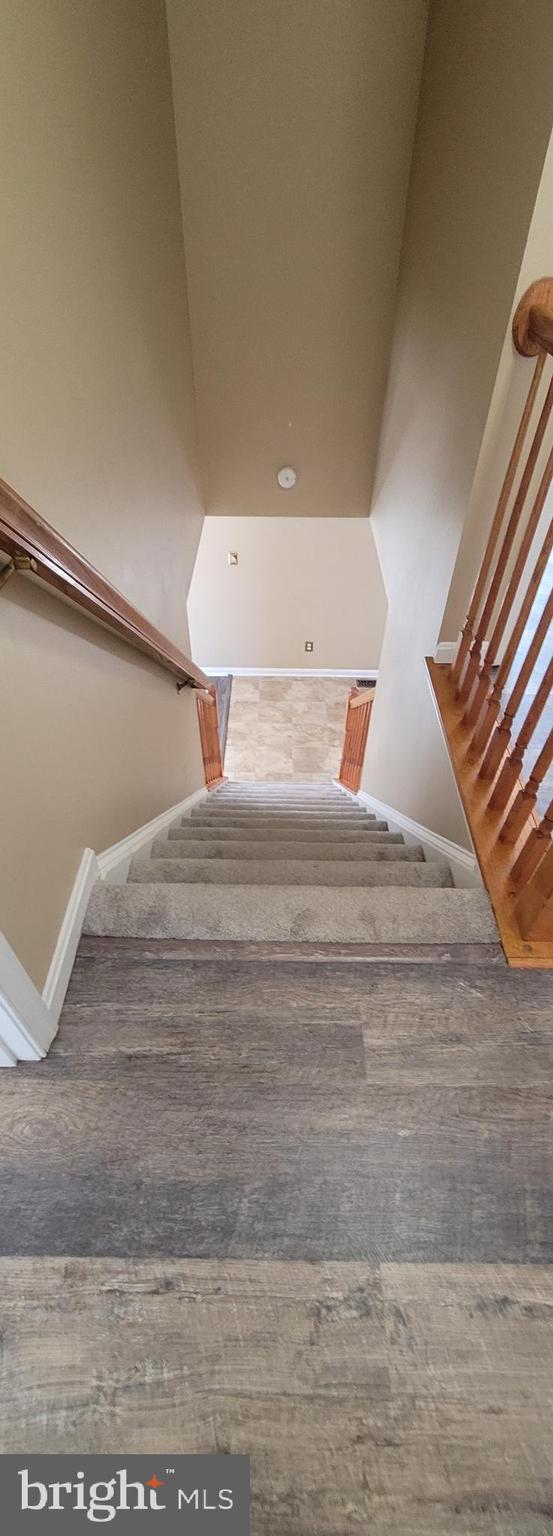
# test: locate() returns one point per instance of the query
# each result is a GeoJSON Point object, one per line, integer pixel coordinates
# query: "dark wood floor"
{"type": "Point", "coordinates": [297, 1209]}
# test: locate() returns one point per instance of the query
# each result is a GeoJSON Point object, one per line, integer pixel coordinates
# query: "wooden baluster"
{"type": "Point", "coordinates": [475, 657]}
{"type": "Point", "coordinates": [493, 704]}
{"type": "Point", "coordinates": [468, 634]}
{"type": "Point", "coordinates": [534, 908]}
{"type": "Point", "coordinates": [527, 795]}
{"type": "Point", "coordinates": [484, 682]}
{"type": "Point", "coordinates": [512, 767]}
{"type": "Point", "coordinates": [536, 845]}
{"type": "Point", "coordinates": [500, 741]}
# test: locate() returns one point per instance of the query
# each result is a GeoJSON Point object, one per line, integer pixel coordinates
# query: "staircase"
{"type": "Point", "coordinates": [289, 863]}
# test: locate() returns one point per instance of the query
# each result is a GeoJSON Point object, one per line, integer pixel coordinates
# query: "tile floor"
{"type": "Point", "coordinates": [288, 728]}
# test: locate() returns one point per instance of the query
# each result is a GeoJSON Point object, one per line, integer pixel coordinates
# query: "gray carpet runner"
{"type": "Point", "coordinates": [284, 862]}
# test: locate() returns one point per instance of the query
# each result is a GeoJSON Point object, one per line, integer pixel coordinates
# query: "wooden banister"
{"type": "Point", "coordinates": [210, 737]}
{"type": "Point", "coordinates": [518, 813]}
{"type": "Point", "coordinates": [25, 536]}
{"type": "Point", "coordinates": [536, 845]}
{"type": "Point", "coordinates": [535, 903]}
{"type": "Point", "coordinates": [495, 530]}
{"type": "Point", "coordinates": [512, 766]}
{"type": "Point", "coordinates": [493, 703]}
{"type": "Point", "coordinates": [358, 714]}
{"type": "Point", "coordinates": [475, 658]}
{"type": "Point", "coordinates": [514, 847]}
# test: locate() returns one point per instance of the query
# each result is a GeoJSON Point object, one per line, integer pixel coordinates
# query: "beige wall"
{"type": "Point", "coordinates": [97, 431]}
{"type": "Point", "coordinates": [294, 122]}
{"type": "Point", "coordinates": [297, 579]}
{"type": "Point", "coordinates": [479, 149]}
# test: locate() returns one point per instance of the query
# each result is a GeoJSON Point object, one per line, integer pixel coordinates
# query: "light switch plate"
{"type": "Point", "coordinates": [232, 557]}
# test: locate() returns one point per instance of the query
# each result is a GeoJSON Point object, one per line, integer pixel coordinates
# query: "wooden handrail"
{"type": "Point", "coordinates": [23, 533]}
{"type": "Point", "coordinates": [514, 847]}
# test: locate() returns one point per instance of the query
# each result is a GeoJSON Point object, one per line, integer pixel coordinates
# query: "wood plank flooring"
{"type": "Point", "coordinates": [299, 1210]}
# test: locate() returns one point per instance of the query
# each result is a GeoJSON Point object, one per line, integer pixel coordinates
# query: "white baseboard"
{"type": "Point", "coordinates": [462, 861]}
{"type": "Point", "coordinates": [445, 652]}
{"type": "Point", "coordinates": [353, 672]}
{"type": "Point", "coordinates": [113, 863]}
{"type": "Point", "coordinates": [28, 1019]}
{"type": "Point", "coordinates": [26, 1026]}
{"type": "Point", "coordinates": [61, 964]}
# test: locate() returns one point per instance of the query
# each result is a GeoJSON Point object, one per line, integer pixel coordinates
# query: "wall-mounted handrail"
{"type": "Point", "coordinates": [501, 768]}
{"type": "Point", "coordinates": [25, 536]}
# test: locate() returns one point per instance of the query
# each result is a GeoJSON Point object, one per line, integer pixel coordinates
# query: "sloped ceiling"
{"type": "Point", "coordinates": [295, 122]}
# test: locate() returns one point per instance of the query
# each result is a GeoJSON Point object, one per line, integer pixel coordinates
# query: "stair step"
{"type": "Point", "coordinates": [341, 915]}
{"type": "Point", "coordinates": [324, 833]}
{"type": "Point", "coordinates": [293, 818]}
{"type": "Point", "coordinates": [297, 808]}
{"type": "Point", "coordinates": [289, 872]}
{"type": "Point", "coordinates": [323, 807]}
{"type": "Point", "coordinates": [386, 845]}
{"type": "Point", "coordinates": [279, 787]}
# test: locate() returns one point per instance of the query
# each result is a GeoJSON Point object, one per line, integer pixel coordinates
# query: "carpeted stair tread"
{"type": "Point", "coordinates": [340, 914]}
{"type": "Point", "coordinates": [241, 803]}
{"type": "Point", "coordinates": [380, 844]}
{"type": "Point", "coordinates": [275, 817]}
{"type": "Point", "coordinates": [325, 833]}
{"type": "Point", "coordinates": [283, 872]}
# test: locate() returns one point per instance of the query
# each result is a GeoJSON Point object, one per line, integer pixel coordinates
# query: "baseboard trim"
{"type": "Point", "coordinates": [462, 861]}
{"type": "Point", "coordinates": [445, 652]}
{"type": "Point", "coordinates": [26, 1025]}
{"type": "Point", "coordinates": [28, 1019]}
{"type": "Point", "coordinates": [353, 672]}
{"type": "Point", "coordinates": [113, 863]}
{"type": "Point", "coordinates": [61, 965]}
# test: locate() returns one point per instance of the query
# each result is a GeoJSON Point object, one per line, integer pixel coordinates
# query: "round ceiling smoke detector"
{"type": "Point", "coordinates": [286, 478]}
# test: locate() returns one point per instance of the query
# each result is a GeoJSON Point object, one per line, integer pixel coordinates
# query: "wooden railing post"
{"type": "Point", "coordinates": [209, 737]}
{"type": "Point", "coordinates": [535, 903]}
{"type": "Point", "coordinates": [512, 767]}
{"type": "Point", "coordinates": [523, 805]}
{"type": "Point", "coordinates": [356, 728]}
{"type": "Point", "coordinates": [535, 847]}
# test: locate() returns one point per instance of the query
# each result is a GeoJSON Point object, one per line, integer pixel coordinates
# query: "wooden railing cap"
{"type": "Point", "coordinates": [533, 319]}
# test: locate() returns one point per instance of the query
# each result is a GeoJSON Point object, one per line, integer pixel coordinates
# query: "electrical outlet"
{"type": "Point", "coordinates": [232, 557]}
{"type": "Point", "coordinates": [309, 645]}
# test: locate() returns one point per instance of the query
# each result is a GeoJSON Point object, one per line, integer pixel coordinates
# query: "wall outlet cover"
{"type": "Point", "coordinates": [309, 645]}
{"type": "Point", "coordinates": [232, 557]}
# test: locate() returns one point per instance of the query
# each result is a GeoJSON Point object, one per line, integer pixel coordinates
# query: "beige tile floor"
{"type": "Point", "coordinates": [287, 728]}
